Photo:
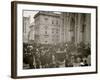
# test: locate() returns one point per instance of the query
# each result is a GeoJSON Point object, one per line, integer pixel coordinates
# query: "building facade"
{"type": "Point", "coordinates": [53, 28]}
{"type": "Point", "coordinates": [47, 28]}
{"type": "Point", "coordinates": [76, 27]}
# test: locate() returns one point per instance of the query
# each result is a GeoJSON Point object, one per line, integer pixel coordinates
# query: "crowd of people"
{"type": "Point", "coordinates": [48, 56]}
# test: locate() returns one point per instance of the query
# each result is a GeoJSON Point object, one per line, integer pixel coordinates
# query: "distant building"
{"type": "Point", "coordinates": [76, 27]}
{"type": "Point", "coordinates": [47, 27]}
{"type": "Point", "coordinates": [26, 29]}
{"type": "Point", "coordinates": [31, 34]}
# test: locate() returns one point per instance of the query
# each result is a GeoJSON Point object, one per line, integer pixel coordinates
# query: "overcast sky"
{"type": "Point", "coordinates": [30, 14]}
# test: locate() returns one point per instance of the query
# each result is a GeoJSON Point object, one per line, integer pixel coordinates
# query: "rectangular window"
{"type": "Point", "coordinates": [46, 19]}
{"type": "Point", "coordinates": [53, 30]}
{"type": "Point", "coordinates": [57, 30]}
{"type": "Point", "coordinates": [45, 32]}
{"type": "Point", "coordinates": [46, 41]}
{"type": "Point", "coordinates": [57, 22]}
{"type": "Point", "coordinates": [52, 21]}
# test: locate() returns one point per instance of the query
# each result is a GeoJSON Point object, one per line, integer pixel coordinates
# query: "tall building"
{"type": "Point", "coordinates": [76, 27]}
{"type": "Point", "coordinates": [47, 27]}
{"type": "Point", "coordinates": [53, 28]}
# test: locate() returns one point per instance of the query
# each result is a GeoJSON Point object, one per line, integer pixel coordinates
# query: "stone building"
{"type": "Point", "coordinates": [54, 28]}
{"type": "Point", "coordinates": [76, 27]}
{"type": "Point", "coordinates": [47, 27]}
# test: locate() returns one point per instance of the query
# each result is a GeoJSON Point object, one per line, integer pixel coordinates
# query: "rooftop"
{"type": "Point", "coordinates": [48, 13]}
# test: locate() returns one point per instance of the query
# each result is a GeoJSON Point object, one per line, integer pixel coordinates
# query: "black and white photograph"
{"type": "Point", "coordinates": [53, 39]}
{"type": "Point", "coordinates": [56, 39]}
